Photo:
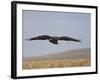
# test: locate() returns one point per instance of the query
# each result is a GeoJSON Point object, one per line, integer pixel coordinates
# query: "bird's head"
{"type": "Point", "coordinates": [55, 37]}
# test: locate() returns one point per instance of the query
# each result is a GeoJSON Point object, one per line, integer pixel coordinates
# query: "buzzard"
{"type": "Point", "coordinates": [53, 39]}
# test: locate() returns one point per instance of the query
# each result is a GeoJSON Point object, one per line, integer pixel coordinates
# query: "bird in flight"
{"type": "Point", "coordinates": [53, 39]}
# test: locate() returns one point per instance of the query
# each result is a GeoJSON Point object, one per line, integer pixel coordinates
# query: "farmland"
{"type": "Point", "coordinates": [75, 58]}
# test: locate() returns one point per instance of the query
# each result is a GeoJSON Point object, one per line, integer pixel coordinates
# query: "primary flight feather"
{"type": "Point", "coordinates": [53, 39]}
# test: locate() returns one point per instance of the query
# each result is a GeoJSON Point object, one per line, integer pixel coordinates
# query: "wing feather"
{"type": "Point", "coordinates": [42, 37]}
{"type": "Point", "coordinates": [68, 39]}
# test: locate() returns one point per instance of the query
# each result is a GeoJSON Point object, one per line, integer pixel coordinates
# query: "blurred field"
{"type": "Point", "coordinates": [55, 63]}
{"type": "Point", "coordinates": [74, 58]}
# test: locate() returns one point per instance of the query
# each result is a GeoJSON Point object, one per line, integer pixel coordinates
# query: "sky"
{"type": "Point", "coordinates": [35, 23]}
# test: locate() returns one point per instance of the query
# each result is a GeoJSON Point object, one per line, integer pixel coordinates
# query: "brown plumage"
{"type": "Point", "coordinates": [53, 39]}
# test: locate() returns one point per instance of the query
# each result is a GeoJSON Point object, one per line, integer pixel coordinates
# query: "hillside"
{"type": "Point", "coordinates": [73, 54]}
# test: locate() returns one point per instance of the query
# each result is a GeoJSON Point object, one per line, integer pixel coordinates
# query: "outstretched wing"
{"type": "Point", "coordinates": [42, 37]}
{"type": "Point", "coordinates": [68, 39]}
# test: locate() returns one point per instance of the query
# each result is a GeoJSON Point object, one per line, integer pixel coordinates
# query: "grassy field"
{"type": "Point", "coordinates": [39, 64]}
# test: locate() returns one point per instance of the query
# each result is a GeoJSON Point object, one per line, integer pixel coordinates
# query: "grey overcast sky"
{"type": "Point", "coordinates": [76, 25]}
